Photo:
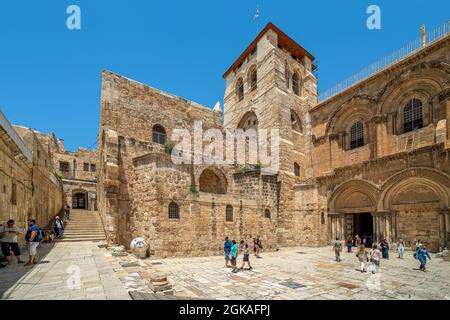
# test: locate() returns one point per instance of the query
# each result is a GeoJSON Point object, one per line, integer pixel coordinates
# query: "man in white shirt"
{"type": "Point", "coordinates": [8, 235]}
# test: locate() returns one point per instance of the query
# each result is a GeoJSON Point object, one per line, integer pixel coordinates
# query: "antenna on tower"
{"type": "Point", "coordinates": [256, 17]}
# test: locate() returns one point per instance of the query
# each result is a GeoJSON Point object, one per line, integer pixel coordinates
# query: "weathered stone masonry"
{"type": "Point", "coordinates": [347, 165]}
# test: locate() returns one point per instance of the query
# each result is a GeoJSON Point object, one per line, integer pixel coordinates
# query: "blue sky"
{"type": "Point", "coordinates": [50, 76]}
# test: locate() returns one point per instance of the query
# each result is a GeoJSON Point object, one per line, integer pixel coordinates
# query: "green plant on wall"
{"type": "Point", "coordinates": [194, 189]}
{"type": "Point", "coordinates": [168, 147]}
{"type": "Point", "coordinates": [57, 176]}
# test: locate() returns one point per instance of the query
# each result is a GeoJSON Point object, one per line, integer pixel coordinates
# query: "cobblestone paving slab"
{"type": "Point", "coordinates": [288, 275]}
{"type": "Point", "coordinates": [57, 278]}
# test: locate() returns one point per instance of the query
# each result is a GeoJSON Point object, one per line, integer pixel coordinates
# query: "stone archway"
{"type": "Point", "coordinates": [352, 206]}
{"type": "Point", "coordinates": [213, 180]}
{"type": "Point", "coordinates": [249, 121]}
{"type": "Point", "coordinates": [79, 201]}
{"type": "Point", "coordinates": [415, 203]}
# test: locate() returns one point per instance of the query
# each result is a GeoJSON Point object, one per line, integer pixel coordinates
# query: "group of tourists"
{"type": "Point", "coordinates": [378, 252]}
{"type": "Point", "coordinates": [231, 250]}
{"type": "Point", "coordinates": [10, 244]}
{"type": "Point", "coordinates": [357, 241]}
{"type": "Point", "coordinates": [34, 236]}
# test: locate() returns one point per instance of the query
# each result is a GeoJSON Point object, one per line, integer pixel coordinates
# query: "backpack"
{"type": "Point", "coordinates": [40, 235]}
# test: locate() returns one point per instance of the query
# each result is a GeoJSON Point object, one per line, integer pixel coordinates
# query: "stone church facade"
{"type": "Point", "coordinates": [371, 160]}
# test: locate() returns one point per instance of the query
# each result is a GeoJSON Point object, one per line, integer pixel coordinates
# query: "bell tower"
{"type": "Point", "coordinates": [271, 86]}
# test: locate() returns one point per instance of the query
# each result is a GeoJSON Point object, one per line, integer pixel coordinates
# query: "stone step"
{"type": "Point", "coordinates": [83, 227]}
{"type": "Point", "coordinates": [83, 237]}
{"type": "Point", "coordinates": [86, 226]}
{"type": "Point", "coordinates": [96, 239]}
{"type": "Point", "coordinates": [84, 232]}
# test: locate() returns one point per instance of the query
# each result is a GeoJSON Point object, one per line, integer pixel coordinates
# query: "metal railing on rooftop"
{"type": "Point", "coordinates": [410, 48]}
{"type": "Point", "coordinates": [7, 126]}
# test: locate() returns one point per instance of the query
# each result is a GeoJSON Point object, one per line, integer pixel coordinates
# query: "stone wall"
{"type": "Point", "coordinates": [322, 182]}
{"type": "Point", "coordinates": [29, 190]}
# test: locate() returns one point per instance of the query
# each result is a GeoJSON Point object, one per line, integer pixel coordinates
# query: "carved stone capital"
{"type": "Point", "coordinates": [381, 118]}
{"type": "Point", "coordinates": [333, 136]}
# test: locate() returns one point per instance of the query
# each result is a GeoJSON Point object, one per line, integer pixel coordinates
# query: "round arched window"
{"type": "Point", "coordinates": [159, 134]}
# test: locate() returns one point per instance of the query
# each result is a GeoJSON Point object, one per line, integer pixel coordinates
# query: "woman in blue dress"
{"type": "Point", "coordinates": [422, 254]}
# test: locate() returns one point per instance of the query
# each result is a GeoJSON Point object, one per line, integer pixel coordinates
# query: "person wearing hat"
{"type": "Point", "coordinates": [59, 227]}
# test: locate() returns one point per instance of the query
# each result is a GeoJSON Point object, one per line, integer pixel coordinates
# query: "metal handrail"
{"type": "Point", "coordinates": [406, 50]}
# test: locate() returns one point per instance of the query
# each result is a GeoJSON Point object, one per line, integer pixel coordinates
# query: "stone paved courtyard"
{"type": "Point", "coordinates": [291, 273]}
{"type": "Point", "coordinates": [54, 278]}
{"type": "Point", "coordinates": [301, 273]}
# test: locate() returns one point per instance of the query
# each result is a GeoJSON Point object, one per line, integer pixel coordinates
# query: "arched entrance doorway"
{"type": "Point", "coordinates": [79, 201]}
{"type": "Point", "coordinates": [351, 211]}
{"type": "Point", "coordinates": [363, 226]}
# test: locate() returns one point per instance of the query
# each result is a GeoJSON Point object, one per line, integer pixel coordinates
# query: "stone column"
{"type": "Point", "coordinates": [443, 226]}
{"type": "Point", "coordinates": [330, 228]}
{"type": "Point", "coordinates": [394, 225]}
{"type": "Point", "coordinates": [447, 229]}
{"type": "Point", "coordinates": [381, 226]}
{"type": "Point", "coordinates": [376, 222]}
{"type": "Point", "coordinates": [339, 227]}
{"type": "Point", "coordinates": [343, 227]}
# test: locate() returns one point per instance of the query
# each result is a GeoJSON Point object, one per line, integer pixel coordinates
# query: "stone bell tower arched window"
{"type": "Point", "coordinates": [296, 84]}
{"type": "Point", "coordinates": [357, 135]}
{"type": "Point", "coordinates": [295, 122]}
{"type": "Point", "coordinates": [413, 116]}
{"type": "Point", "coordinates": [296, 169]}
{"type": "Point", "coordinates": [253, 79]}
{"type": "Point", "coordinates": [240, 89]}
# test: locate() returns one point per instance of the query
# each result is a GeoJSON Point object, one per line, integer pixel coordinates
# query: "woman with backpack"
{"type": "Point", "coordinates": [33, 238]}
{"type": "Point", "coordinates": [362, 257]}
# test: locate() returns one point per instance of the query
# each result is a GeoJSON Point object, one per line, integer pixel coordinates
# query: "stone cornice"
{"type": "Point", "coordinates": [401, 155]}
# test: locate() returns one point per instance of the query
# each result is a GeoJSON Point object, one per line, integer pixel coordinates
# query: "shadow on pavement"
{"type": "Point", "coordinates": [14, 275]}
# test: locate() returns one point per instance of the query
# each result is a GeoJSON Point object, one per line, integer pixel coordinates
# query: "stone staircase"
{"type": "Point", "coordinates": [83, 226]}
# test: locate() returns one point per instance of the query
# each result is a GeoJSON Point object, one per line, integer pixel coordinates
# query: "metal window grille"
{"type": "Point", "coordinates": [413, 116]}
{"type": "Point", "coordinates": [85, 166]}
{"type": "Point", "coordinates": [229, 214]}
{"type": "Point", "coordinates": [267, 214]}
{"type": "Point", "coordinates": [357, 135]}
{"type": "Point", "coordinates": [174, 211]}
